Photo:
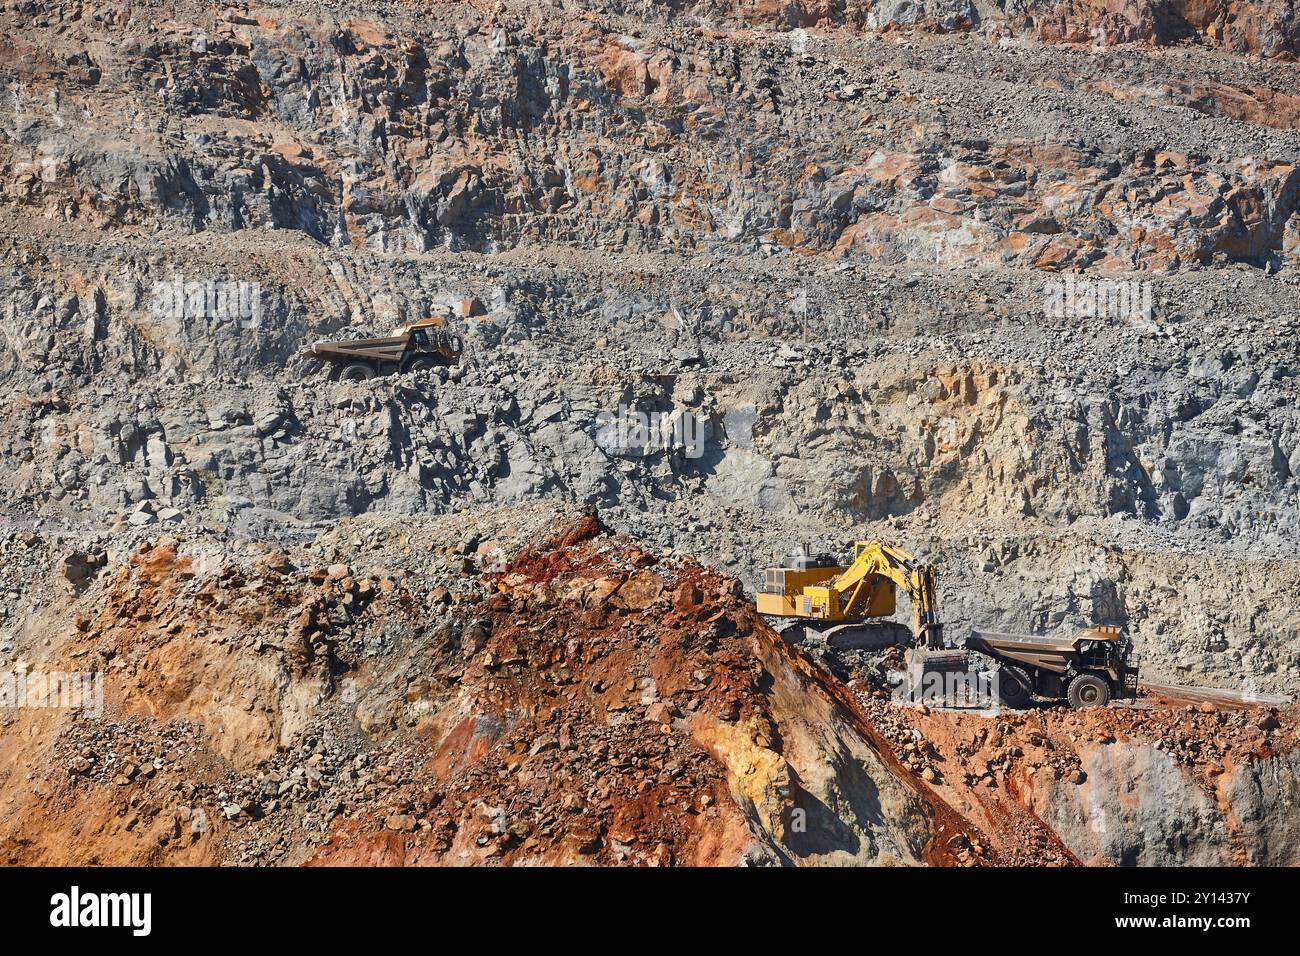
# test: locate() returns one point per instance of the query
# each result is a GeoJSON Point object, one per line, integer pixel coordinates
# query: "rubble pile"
{"type": "Point", "coordinates": [526, 687]}
{"type": "Point", "coordinates": [457, 693]}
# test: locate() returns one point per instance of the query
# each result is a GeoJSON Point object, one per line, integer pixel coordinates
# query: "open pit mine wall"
{"type": "Point", "coordinates": [466, 131]}
{"type": "Point", "coordinates": [828, 451]}
{"type": "Point", "coordinates": [678, 220]}
{"type": "Point", "coordinates": [1269, 29]}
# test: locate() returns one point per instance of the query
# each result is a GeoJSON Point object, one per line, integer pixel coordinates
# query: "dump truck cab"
{"type": "Point", "coordinates": [1089, 669]}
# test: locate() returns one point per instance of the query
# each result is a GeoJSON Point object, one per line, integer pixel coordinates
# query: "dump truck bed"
{"type": "Point", "coordinates": [1050, 653]}
{"type": "Point", "coordinates": [387, 349]}
{"type": "Point", "coordinates": [1024, 641]}
{"type": "Point", "coordinates": [1096, 661]}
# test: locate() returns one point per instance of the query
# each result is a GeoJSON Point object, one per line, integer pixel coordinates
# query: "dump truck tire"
{"type": "Point", "coordinates": [425, 363]}
{"type": "Point", "coordinates": [356, 372]}
{"type": "Point", "coordinates": [1014, 687]}
{"type": "Point", "coordinates": [1089, 690]}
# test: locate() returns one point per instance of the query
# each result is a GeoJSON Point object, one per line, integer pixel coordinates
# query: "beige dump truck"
{"type": "Point", "coordinates": [426, 344]}
{"type": "Point", "coordinates": [1089, 669]}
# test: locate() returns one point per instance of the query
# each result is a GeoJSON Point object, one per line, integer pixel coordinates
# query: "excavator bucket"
{"type": "Point", "coordinates": [939, 678]}
{"type": "Point", "coordinates": [924, 661]}
{"type": "Point", "coordinates": [946, 661]}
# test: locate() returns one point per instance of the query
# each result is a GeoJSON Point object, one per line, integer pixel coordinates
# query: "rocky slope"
{"type": "Point", "coordinates": [836, 234]}
{"type": "Point", "coordinates": [1173, 784]}
{"type": "Point", "coordinates": [442, 700]}
{"type": "Point", "coordinates": [520, 688]}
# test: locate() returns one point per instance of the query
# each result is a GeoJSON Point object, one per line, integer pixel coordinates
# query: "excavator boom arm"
{"type": "Point", "coordinates": [871, 560]}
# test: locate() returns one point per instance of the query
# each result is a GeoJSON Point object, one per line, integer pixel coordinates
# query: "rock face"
{"type": "Point", "coordinates": [1141, 810]}
{"type": "Point", "coordinates": [1169, 785]}
{"type": "Point", "coordinates": [585, 702]}
{"type": "Point", "coordinates": [1013, 285]}
{"type": "Point", "coordinates": [485, 134]}
{"type": "Point", "coordinates": [1267, 29]}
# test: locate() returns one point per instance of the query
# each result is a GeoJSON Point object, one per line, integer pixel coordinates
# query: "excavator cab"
{"type": "Point", "coordinates": [796, 589]}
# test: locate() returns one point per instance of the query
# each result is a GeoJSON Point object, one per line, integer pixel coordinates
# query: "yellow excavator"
{"type": "Point", "coordinates": [825, 593]}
